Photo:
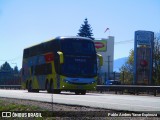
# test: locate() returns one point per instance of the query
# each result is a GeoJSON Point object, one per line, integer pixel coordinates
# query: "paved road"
{"type": "Point", "coordinates": [108, 101]}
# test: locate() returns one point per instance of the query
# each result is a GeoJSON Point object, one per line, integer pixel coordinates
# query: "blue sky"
{"type": "Point", "coordinates": [27, 22]}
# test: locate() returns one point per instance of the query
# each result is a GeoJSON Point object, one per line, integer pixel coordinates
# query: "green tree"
{"type": "Point", "coordinates": [156, 60]}
{"type": "Point", "coordinates": [15, 70]}
{"type": "Point", "coordinates": [6, 67]}
{"type": "Point", "coordinates": [7, 73]}
{"type": "Point", "coordinates": [126, 70]}
{"type": "Point", "coordinates": [86, 30]}
{"type": "Point", "coordinates": [9, 76]}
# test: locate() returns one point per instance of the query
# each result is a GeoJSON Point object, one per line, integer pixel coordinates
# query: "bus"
{"type": "Point", "coordinates": [61, 64]}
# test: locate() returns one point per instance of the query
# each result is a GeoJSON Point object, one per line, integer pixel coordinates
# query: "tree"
{"type": "Point", "coordinates": [9, 76]}
{"type": "Point", "coordinates": [156, 60]}
{"type": "Point", "coordinates": [126, 70]}
{"type": "Point", "coordinates": [6, 67]}
{"type": "Point", "coordinates": [15, 70]}
{"type": "Point", "coordinates": [86, 30]}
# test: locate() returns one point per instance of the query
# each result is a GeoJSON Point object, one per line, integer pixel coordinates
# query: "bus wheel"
{"type": "Point", "coordinates": [36, 90]}
{"type": "Point", "coordinates": [83, 92]}
{"type": "Point", "coordinates": [27, 85]}
{"type": "Point", "coordinates": [77, 92]}
{"type": "Point", "coordinates": [57, 91]}
{"type": "Point", "coordinates": [30, 87]}
{"type": "Point", "coordinates": [48, 88]}
{"type": "Point", "coordinates": [51, 86]}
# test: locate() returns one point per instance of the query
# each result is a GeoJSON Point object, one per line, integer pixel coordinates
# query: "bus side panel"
{"type": "Point", "coordinates": [52, 77]}
{"type": "Point", "coordinates": [35, 83]}
{"type": "Point", "coordinates": [40, 78]}
{"type": "Point", "coordinates": [62, 81]}
{"type": "Point", "coordinates": [25, 73]}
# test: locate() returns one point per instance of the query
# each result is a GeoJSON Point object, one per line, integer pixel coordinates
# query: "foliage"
{"type": "Point", "coordinates": [5, 106]}
{"type": "Point", "coordinates": [156, 60]}
{"type": "Point", "coordinates": [8, 75]}
{"type": "Point", "coordinates": [126, 70]}
{"type": "Point", "coordinates": [7, 68]}
{"type": "Point", "coordinates": [86, 30]}
{"type": "Point", "coordinates": [15, 70]}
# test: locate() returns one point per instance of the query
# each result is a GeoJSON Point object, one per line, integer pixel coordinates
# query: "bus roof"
{"type": "Point", "coordinates": [72, 37]}
{"type": "Point", "coordinates": [60, 38]}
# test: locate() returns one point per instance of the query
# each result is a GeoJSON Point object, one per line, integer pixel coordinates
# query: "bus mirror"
{"type": "Point", "coordinates": [100, 59]}
{"type": "Point", "coordinates": [61, 58]}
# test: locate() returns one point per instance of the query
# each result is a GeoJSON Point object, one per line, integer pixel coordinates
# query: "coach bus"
{"type": "Point", "coordinates": [61, 64]}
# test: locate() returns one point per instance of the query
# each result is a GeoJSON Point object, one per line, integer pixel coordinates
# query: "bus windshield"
{"type": "Point", "coordinates": [79, 66]}
{"type": "Point", "coordinates": [79, 58]}
{"type": "Point", "coordinates": [71, 46]}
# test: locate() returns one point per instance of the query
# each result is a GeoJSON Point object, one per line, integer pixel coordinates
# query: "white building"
{"type": "Point", "coordinates": [105, 47]}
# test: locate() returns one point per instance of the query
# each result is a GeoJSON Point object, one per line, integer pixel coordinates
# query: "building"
{"type": "Point", "coordinates": [105, 47]}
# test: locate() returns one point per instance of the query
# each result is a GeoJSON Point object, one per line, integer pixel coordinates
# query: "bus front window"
{"type": "Point", "coordinates": [79, 67]}
{"type": "Point", "coordinates": [77, 47]}
{"type": "Point", "coordinates": [79, 58]}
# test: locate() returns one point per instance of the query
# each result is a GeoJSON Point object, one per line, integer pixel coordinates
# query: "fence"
{"type": "Point", "coordinates": [124, 87]}
{"type": "Point", "coordinates": [133, 89]}
{"type": "Point", "coordinates": [9, 80]}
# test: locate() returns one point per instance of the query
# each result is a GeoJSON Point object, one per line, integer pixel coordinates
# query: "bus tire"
{"type": "Point", "coordinates": [36, 90]}
{"type": "Point", "coordinates": [51, 86]}
{"type": "Point", "coordinates": [48, 88]}
{"type": "Point", "coordinates": [83, 92]}
{"type": "Point", "coordinates": [77, 92]}
{"type": "Point", "coordinates": [27, 84]}
{"type": "Point", "coordinates": [30, 87]}
{"type": "Point", "coordinates": [57, 91]}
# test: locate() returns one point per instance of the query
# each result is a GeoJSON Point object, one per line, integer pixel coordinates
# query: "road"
{"type": "Point", "coordinates": [107, 101]}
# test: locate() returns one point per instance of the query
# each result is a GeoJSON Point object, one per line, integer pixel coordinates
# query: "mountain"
{"type": "Point", "coordinates": [118, 63]}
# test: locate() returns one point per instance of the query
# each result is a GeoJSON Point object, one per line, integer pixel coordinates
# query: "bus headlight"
{"type": "Point", "coordinates": [65, 80]}
{"type": "Point", "coordinates": [93, 81]}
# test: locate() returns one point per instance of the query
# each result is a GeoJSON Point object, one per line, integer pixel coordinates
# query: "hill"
{"type": "Point", "coordinates": [118, 63]}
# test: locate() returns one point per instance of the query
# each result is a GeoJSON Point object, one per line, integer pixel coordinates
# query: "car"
{"type": "Point", "coordinates": [113, 82]}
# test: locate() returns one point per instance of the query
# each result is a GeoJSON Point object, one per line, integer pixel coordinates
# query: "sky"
{"type": "Point", "coordinates": [24, 23]}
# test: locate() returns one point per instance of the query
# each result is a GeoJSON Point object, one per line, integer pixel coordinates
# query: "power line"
{"type": "Point", "coordinates": [124, 42]}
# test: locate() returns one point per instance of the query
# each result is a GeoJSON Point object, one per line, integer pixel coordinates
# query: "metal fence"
{"type": "Point", "coordinates": [9, 80]}
{"type": "Point", "coordinates": [131, 89]}
{"type": "Point", "coordinates": [102, 87]}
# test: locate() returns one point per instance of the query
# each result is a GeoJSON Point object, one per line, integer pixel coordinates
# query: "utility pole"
{"type": "Point", "coordinates": [108, 67]}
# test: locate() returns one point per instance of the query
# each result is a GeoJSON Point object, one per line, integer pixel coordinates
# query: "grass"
{"type": "Point", "coordinates": [5, 106]}
{"type": "Point", "coordinates": [12, 107]}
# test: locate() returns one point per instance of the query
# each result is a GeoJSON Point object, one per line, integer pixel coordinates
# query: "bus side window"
{"type": "Point", "coordinates": [43, 69]}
